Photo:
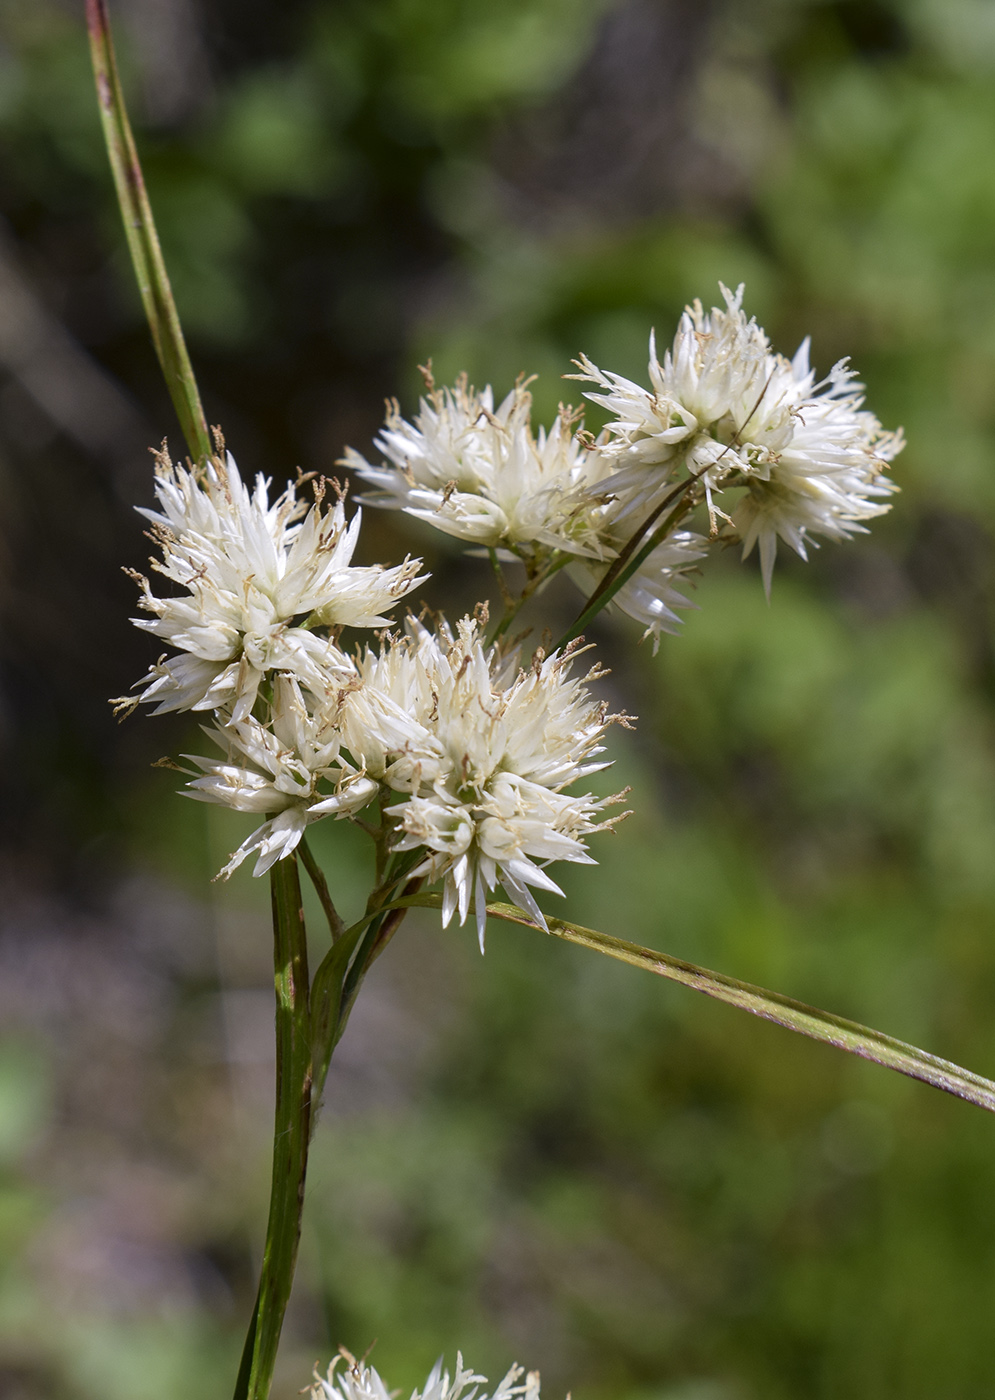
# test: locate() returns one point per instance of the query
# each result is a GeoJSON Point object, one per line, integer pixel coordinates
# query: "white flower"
{"type": "Point", "coordinates": [357, 1381]}
{"type": "Point", "coordinates": [484, 751]}
{"type": "Point", "coordinates": [291, 768]}
{"type": "Point", "coordinates": [481, 474]}
{"type": "Point", "coordinates": [727, 412]}
{"type": "Point", "coordinates": [253, 572]}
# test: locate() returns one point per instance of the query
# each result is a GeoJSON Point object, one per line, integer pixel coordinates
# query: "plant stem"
{"type": "Point", "coordinates": [507, 598]}
{"type": "Point", "coordinates": [340, 976]}
{"type": "Point", "coordinates": [291, 1133]}
{"type": "Point", "coordinates": [143, 241]}
{"type": "Point", "coordinates": [623, 566]}
{"type": "Point", "coordinates": [535, 581]}
{"type": "Point", "coordinates": [317, 877]}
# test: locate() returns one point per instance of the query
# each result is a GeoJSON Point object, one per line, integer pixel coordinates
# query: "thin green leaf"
{"type": "Point", "coordinates": [833, 1030]}
{"type": "Point", "coordinates": [143, 241]}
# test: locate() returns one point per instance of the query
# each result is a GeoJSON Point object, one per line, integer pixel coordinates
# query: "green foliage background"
{"type": "Point", "coordinates": [534, 1156]}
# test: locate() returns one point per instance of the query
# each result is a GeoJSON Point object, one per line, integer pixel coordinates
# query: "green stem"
{"type": "Point", "coordinates": [340, 976]}
{"type": "Point", "coordinates": [624, 565]}
{"type": "Point", "coordinates": [604, 594]}
{"type": "Point", "coordinates": [143, 241]}
{"type": "Point", "coordinates": [555, 564]}
{"type": "Point", "coordinates": [507, 598]}
{"type": "Point", "coordinates": [291, 1133]}
{"type": "Point", "coordinates": [327, 1016]}
{"type": "Point", "coordinates": [245, 1365]}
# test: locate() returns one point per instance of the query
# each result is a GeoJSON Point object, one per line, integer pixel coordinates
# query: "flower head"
{"type": "Point", "coordinates": [483, 752]}
{"type": "Point", "coordinates": [726, 413]}
{"type": "Point", "coordinates": [357, 1381]}
{"type": "Point", "coordinates": [708, 391]}
{"type": "Point", "coordinates": [256, 576]}
{"type": "Point", "coordinates": [480, 473]}
{"type": "Point", "coordinates": [290, 767]}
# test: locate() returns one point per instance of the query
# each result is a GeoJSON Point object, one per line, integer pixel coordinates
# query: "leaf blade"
{"type": "Point", "coordinates": [823, 1026]}
{"type": "Point", "coordinates": [143, 240]}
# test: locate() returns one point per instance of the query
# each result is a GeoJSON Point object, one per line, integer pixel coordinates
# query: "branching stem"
{"type": "Point", "coordinates": [824, 1026]}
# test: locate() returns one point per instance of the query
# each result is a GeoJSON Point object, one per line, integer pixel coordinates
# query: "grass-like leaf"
{"type": "Point", "coordinates": [824, 1026]}
{"type": "Point", "coordinates": [143, 241]}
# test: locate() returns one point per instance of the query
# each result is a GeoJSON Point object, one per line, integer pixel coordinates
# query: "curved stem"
{"type": "Point", "coordinates": [628, 560]}
{"type": "Point", "coordinates": [291, 1132]}
{"type": "Point", "coordinates": [341, 972]}
{"type": "Point", "coordinates": [507, 597]}
{"type": "Point", "coordinates": [606, 591]}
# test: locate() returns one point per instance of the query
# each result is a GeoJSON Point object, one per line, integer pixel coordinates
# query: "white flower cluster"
{"type": "Point", "coordinates": [357, 1381]}
{"type": "Point", "coordinates": [258, 577]}
{"type": "Point", "coordinates": [483, 475]}
{"type": "Point", "coordinates": [482, 752]}
{"type": "Point", "coordinates": [726, 410]}
{"type": "Point", "coordinates": [723, 413]}
{"type": "Point", "coordinates": [467, 754]}
{"type": "Point", "coordinates": [479, 473]}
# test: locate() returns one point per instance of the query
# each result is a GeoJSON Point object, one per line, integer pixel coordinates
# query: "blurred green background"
{"type": "Point", "coordinates": [532, 1156]}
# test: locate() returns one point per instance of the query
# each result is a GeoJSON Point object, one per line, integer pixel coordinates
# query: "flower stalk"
{"type": "Point", "coordinates": [336, 927]}
{"type": "Point", "coordinates": [536, 579]}
{"type": "Point", "coordinates": [294, 1071]}
{"type": "Point", "coordinates": [633, 556]}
